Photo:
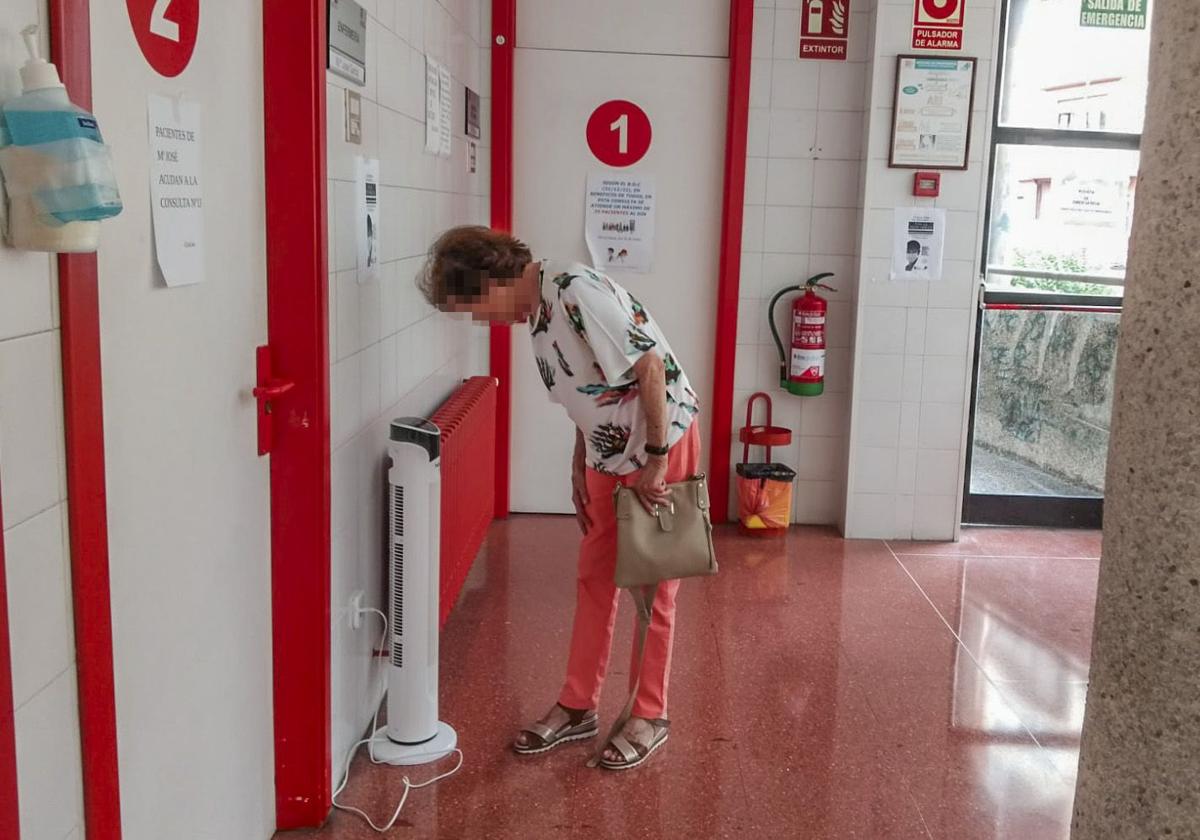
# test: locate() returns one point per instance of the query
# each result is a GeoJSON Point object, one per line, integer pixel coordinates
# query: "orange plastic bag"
{"type": "Point", "coordinates": [765, 496]}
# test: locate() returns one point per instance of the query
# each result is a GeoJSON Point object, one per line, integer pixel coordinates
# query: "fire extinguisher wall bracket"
{"type": "Point", "coordinates": [783, 362]}
{"type": "Point", "coordinates": [802, 372]}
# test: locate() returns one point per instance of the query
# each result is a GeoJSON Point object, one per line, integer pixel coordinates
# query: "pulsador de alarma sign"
{"type": "Point", "coordinates": [938, 24]}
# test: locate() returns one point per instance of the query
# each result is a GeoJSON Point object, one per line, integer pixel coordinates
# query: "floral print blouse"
{"type": "Point", "coordinates": [587, 335]}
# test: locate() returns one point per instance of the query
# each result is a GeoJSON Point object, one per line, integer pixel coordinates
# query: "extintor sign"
{"type": "Point", "coordinates": [824, 29]}
{"type": "Point", "coordinates": [938, 24]}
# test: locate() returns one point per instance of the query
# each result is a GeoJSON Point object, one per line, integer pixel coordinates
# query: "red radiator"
{"type": "Point", "coordinates": [468, 424]}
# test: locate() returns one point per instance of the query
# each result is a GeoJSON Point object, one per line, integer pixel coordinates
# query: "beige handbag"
{"type": "Point", "coordinates": [674, 542]}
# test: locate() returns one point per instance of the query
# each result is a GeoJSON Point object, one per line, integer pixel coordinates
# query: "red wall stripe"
{"type": "Point", "coordinates": [298, 327]}
{"type": "Point", "coordinates": [83, 404]}
{"type": "Point", "coordinates": [741, 29]}
{"type": "Point", "coordinates": [504, 26]}
{"type": "Point", "coordinates": [9, 818]}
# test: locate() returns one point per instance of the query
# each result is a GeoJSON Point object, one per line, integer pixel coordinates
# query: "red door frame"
{"type": "Point", "coordinates": [741, 29]}
{"type": "Point", "coordinates": [10, 825]}
{"type": "Point", "coordinates": [504, 43]}
{"type": "Point", "coordinates": [741, 32]}
{"type": "Point", "coordinates": [87, 511]}
{"type": "Point", "coordinates": [298, 328]}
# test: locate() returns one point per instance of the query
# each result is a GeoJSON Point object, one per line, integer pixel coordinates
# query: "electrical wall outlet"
{"type": "Point", "coordinates": [357, 610]}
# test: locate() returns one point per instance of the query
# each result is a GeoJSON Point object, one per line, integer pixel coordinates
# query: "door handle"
{"type": "Point", "coordinates": [269, 387]}
{"type": "Point", "coordinates": [274, 388]}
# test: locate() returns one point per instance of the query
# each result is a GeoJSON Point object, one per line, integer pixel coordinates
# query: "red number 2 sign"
{"type": "Point", "coordinates": [166, 32]}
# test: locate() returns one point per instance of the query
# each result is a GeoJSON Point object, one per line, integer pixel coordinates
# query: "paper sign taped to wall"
{"type": "Point", "coordinates": [446, 99]}
{"type": "Point", "coordinates": [366, 187]}
{"type": "Point", "coordinates": [176, 189]}
{"type": "Point", "coordinates": [619, 226]}
{"type": "Point", "coordinates": [919, 239]}
{"type": "Point", "coordinates": [433, 107]}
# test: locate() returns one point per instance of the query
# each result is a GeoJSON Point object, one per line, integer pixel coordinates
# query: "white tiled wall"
{"type": "Point", "coordinates": [911, 379]}
{"type": "Point", "coordinates": [32, 474]}
{"type": "Point", "coordinates": [820, 197]}
{"type": "Point", "coordinates": [803, 188]}
{"type": "Point", "coordinates": [391, 354]}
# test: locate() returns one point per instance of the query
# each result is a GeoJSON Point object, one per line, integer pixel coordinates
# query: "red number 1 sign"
{"type": "Point", "coordinates": [166, 32]}
{"type": "Point", "coordinates": [824, 29]}
{"type": "Point", "coordinates": [619, 133]}
{"type": "Point", "coordinates": [938, 24]}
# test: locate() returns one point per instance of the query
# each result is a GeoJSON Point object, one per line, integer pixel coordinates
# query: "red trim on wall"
{"type": "Point", "coordinates": [83, 415]}
{"type": "Point", "coordinates": [741, 29]}
{"type": "Point", "coordinates": [504, 25]}
{"type": "Point", "coordinates": [10, 825]}
{"type": "Point", "coordinates": [298, 327]}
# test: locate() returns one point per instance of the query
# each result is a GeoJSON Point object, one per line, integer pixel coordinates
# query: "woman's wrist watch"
{"type": "Point", "coordinates": [657, 451]}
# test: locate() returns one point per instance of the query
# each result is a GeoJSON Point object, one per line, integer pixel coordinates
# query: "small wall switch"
{"type": "Point", "coordinates": [356, 610]}
{"type": "Point", "coordinates": [353, 117]}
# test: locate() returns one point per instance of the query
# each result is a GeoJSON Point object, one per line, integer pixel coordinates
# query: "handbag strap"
{"type": "Point", "coordinates": [643, 600]}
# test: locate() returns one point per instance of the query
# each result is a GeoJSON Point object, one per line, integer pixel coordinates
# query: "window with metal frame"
{"type": "Point", "coordinates": [1066, 130]}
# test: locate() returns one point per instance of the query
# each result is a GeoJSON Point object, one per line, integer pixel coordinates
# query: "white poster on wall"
{"type": "Point", "coordinates": [446, 98]}
{"type": "Point", "coordinates": [920, 235]}
{"type": "Point", "coordinates": [619, 223]}
{"type": "Point", "coordinates": [367, 213]}
{"type": "Point", "coordinates": [433, 106]}
{"type": "Point", "coordinates": [176, 189]}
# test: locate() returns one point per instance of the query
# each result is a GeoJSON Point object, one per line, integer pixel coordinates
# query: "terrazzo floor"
{"type": "Point", "coordinates": [821, 688]}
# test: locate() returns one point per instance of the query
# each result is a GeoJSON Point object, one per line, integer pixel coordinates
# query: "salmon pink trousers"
{"type": "Point", "coordinates": [597, 598]}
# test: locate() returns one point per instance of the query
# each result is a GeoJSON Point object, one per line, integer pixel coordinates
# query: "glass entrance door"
{"type": "Point", "coordinates": [1063, 180]}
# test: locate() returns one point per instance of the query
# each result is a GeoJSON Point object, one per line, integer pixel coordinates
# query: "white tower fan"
{"type": "Point", "coordinates": [414, 735]}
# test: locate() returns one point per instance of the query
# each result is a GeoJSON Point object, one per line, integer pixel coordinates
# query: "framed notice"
{"type": "Point", "coordinates": [931, 112]}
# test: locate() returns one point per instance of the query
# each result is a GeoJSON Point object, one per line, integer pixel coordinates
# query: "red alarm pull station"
{"type": "Point", "coordinates": [927, 184]}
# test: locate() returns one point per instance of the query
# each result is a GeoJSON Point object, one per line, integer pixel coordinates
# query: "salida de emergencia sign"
{"type": "Point", "coordinates": [1114, 14]}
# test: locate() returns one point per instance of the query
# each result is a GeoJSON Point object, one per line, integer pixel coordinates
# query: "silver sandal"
{"type": "Point", "coordinates": [634, 755]}
{"type": "Point", "coordinates": [548, 739]}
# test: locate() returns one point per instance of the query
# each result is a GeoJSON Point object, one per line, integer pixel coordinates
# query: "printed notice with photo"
{"type": "Point", "coordinates": [920, 235]}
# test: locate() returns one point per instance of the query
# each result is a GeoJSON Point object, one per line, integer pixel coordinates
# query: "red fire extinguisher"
{"type": "Point", "coordinates": [802, 371]}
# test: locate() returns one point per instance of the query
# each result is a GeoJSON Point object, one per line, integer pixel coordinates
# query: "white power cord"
{"type": "Point", "coordinates": [370, 742]}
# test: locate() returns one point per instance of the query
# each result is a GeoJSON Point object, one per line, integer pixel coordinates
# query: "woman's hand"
{"type": "Point", "coordinates": [579, 493]}
{"type": "Point", "coordinates": [651, 485]}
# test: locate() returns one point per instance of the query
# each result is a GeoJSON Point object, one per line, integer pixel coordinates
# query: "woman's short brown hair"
{"type": "Point", "coordinates": [464, 261]}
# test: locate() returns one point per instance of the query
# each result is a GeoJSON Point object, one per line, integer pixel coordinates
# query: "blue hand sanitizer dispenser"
{"type": "Point", "coordinates": [57, 172]}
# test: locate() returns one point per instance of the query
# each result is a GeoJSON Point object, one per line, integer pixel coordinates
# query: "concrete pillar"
{"type": "Point", "coordinates": [1139, 774]}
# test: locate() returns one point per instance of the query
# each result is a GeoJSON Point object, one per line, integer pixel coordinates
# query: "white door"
{"type": "Point", "coordinates": [188, 498]}
{"type": "Point", "coordinates": [684, 96]}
